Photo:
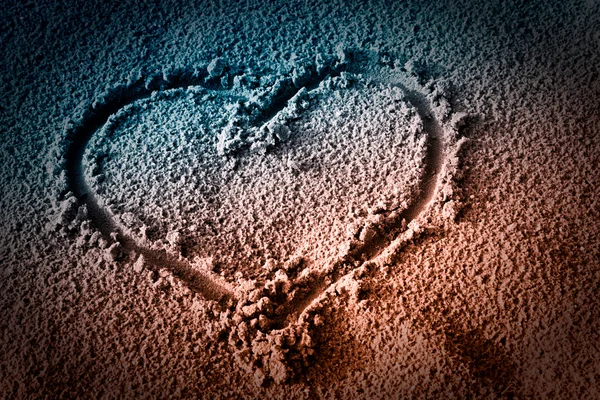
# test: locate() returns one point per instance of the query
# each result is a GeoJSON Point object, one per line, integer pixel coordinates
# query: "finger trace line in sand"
{"type": "Point", "coordinates": [208, 285]}
{"type": "Point", "coordinates": [434, 159]}
{"type": "Point", "coordinates": [102, 218]}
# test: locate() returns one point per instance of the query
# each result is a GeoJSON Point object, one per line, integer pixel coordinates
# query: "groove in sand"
{"type": "Point", "coordinates": [434, 159]}
{"type": "Point", "coordinates": [211, 286]}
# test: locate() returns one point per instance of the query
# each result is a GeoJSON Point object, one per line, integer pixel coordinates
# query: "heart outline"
{"type": "Point", "coordinates": [212, 287]}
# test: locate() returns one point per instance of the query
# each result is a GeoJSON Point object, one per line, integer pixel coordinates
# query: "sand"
{"type": "Point", "coordinates": [305, 200]}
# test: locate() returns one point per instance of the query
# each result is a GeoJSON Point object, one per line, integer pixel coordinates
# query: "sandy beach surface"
{"type": "Point", "coordinates": [318, 199]}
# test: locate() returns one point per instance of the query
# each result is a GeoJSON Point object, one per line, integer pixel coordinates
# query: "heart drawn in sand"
{"type": "Point", "coordinates": [258, 190]}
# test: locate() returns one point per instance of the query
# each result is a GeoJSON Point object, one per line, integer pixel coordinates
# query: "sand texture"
{"type": "Point", "coordinates": [316, 199]}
